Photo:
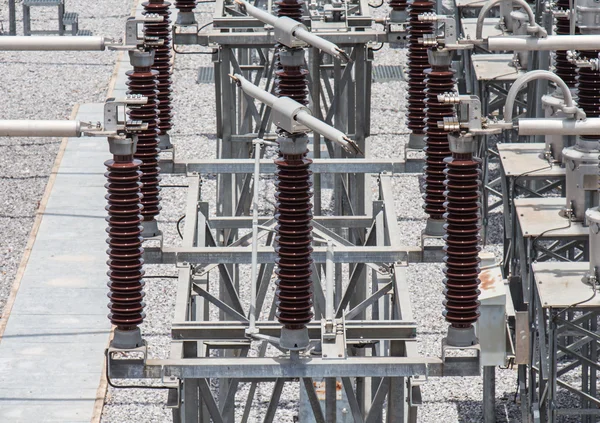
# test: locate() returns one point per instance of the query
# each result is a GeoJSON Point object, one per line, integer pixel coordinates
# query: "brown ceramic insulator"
{"type": "Point", "coordinates": [293, 240]}
{"type": "Point", "coordinates": [185, 5]}
{"type": "Point", "coordinates": [124, 241]}
{"type": "Point", "coordinates": [143, 81]}
{"type": "Point", "coordinates": [588, 90]}
{"type": "Point", "coordinates": [398, 5]}
{"type": "Point", "coordinates": [417, 63]}
{"type": "Point", "coordinates": [292, 82]}
{"type": "Point", "coordinates": [567, 71]}
{"type": "Point", "coordinates": [439, 81]}
{"type": "Point", "coordinates": [162, 59]}
{"type": "Point", "coordinates": [463, 193]}
{"type": "Point", "coordinates": [290, 8]}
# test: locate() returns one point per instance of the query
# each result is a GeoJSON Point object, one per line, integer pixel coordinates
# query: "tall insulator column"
{"type": "Point", "coordinates": [463, 194]}
{"type": "Point", "coordinates": [588, 90]}
{"type": "Point", "coordinates": [186, 12]}
{"type": "Point", "coordinates": [142, 81]}
{"type": "Point", "coordinates": [162, 64]}
{"type": "Point", "coordinates": [290, 8]}
{"type": "Point", "coordinates": [440, 80]}
{"type": "Point", "coordinates": [291, 80]}
{"type": "Point", "coordinates": [417, 63]}
{"type": "Point", "coordinates": [398, 13]}
{"type": "Point", "coordinates": [124, 241]}
{"type": "Point", "coordinates": [293, 212]}
{"type": "Point", "coordinates": [567, 71]}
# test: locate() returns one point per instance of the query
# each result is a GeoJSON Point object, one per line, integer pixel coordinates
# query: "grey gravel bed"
{"type": "Point", "coordinates": [39, 85]}
{"type": "Point", "coordinates": [44, 85]}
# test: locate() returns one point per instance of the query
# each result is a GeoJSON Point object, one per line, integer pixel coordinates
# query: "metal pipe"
{"type": "Point", "coordinates": [298, 112]}
{"type": "Point", "coordinates": [12, 18]}
{"type": "Point", "coordinates": [551, 42]}
{"type": "Point", "coordinates": [558, 126]}
{"type": "Point", "coordinates": [488, 5]}
{"type": "Point", "coordinates": [315, 41]}
{"type": "Point", "coordinates": [531, 76]}
{"type": "Point", "coordinates": [52, 43]}
{"type": "Point", "coordinates": [295, 29]}
{"type": "Point", "coordinates": [40, 128]}
{"type": "Point", "coordinates": [261, 15]}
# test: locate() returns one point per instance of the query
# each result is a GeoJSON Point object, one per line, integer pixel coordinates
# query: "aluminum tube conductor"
{"type": "Point", "coordinates": [52, 43]}
{"type": "Point", "coordinates": [550, 43]}
{"type": "Point", "coordinates": [327, 131]}
{"type": "Point", "coordinates": [488, 5]}
{"type": "Point", "coordinates": [531, 76]}
{"type": "Point", "coordinates": [297, 112]}
{"type": "Point", "coordinates": [295, 29]}
{"type": "Point", "coordinates": [558, 126]}
{"type": "Point", "coordinates": [315, 41]}
{"type": "Point", "coordinates": [40, 128]}
{"type": "Point", "coordinates": [260, 14]}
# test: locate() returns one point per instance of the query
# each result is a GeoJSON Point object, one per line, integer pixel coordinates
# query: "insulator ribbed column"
{"type": "Point", "coordinates": [162, 61]}
{"type": "Point", "coordinates": [142, 81]}
{"type": "Point", "coordinates": [588, 90]}
{"type": "Point", "coordinates": [294, 238]}
{"type": "Point", "coordinates": [185, 6]}
{"type": "Point", "coordinates": [417, 63]}
{"type": "Point", "coordinates": [463, 193]}
{"type": "Point", "coordinates": [124, 241]}
{"type": "Point", "coordinates": [567, 71]}
{"type": "Point", "coordinates": [398, 5]}
{"type": "Point", "coordinates": [290, 8]}
{"type": "Point", "coordinates": [440, 80]}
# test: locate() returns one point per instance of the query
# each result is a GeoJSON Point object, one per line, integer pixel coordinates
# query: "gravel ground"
{"type": "Point", "coordinates": [26, 163]}
{"type": "Point", "coordinates": [38, 85]}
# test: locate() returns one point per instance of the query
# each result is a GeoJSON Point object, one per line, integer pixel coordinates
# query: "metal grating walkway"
{"type": "Point", "coordinates": [387, 73]}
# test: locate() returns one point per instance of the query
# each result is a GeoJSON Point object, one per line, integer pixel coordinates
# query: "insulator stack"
{"type": "Point", "coordinates": [185, 5]}
{"type": "Point", "coordinates": [463, 183]}
{"type": "Point", "coordinates": [439, 80]}
{"type": "Point", "coordinates": [162, 59]}
{"type": "Point", "coordinates": [291, 9]}
{"type": "Point", "coordinates": [293, 241]}
{"type": "Point", "coordinates": [125, 250]}
{"type": "Point", "coordinates": [567, 71]}
{"type": "Point", "coordinates": [417, 63]}
{"type": "Point", "coordinates": [398, 5]}
{"type": "Point", "coordinates": [588, 89]}
{"type": "Point", "coordinates": [292, 81]}
{"type": "Point", "coordinates": [142, 81]}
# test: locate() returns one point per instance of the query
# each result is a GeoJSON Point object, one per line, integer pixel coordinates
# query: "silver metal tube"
{"type": "Point", "coordinates": [322, 128]}
{"type": "Point", "coordinates": [40, 128]}
{"type": "Point", "coordinates": [52, 43]}
{"type": "Point", "coordinates": [488, 5]}
{"type": "Point", "coordinates": [531, 76]}
{"type": "Point", "coordinates": [254, 91]}
{"type": "Point", "coordinates": [320, 43]}
{"type": "Point", "coordinates": [261, 15]}
{"type": "Point", "coordinates": [302, 116]}
{"type": "Point", "coordinates": [551, 42]}
{"type": "Point", "coordinates": [559, 126]}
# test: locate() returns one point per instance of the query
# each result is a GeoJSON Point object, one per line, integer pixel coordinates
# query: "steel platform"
{"type": "Point", "coordinates": [60, 307]}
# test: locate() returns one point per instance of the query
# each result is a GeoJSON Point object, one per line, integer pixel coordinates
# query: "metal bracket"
{"type": "Point", "coordinates": [333, 339]}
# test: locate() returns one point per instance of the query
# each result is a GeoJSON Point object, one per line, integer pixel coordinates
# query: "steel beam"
{"type": "Point", "coordinates": [228, 166]}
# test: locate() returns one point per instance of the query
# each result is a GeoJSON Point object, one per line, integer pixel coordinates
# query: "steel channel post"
{"type": "Point", "coordinates": [315, 93]}
{"type": "Point", "coordinates": [489, 394]}
{"type": "Point", "coordinates": [226, 191]}
{"type": "Point", "coordinates": [12, 18]}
